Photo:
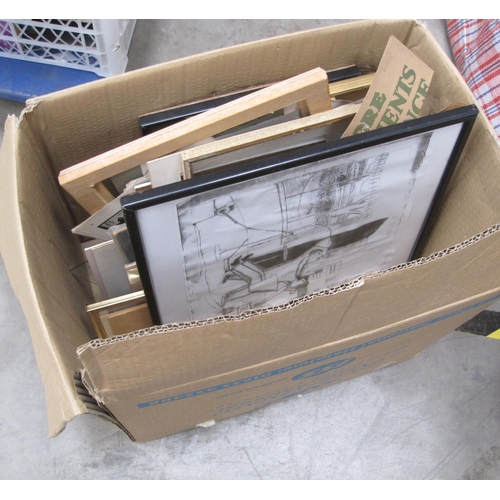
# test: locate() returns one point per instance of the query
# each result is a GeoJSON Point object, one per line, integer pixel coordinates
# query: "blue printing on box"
{"type": "Point", "coordinates": [319, 359]}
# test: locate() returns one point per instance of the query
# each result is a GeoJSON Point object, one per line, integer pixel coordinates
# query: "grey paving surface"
{"type": "Point", "coordinates": [434, 417]}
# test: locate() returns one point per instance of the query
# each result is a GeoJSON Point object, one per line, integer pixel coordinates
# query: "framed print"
{"type": "Point", "coordinates": [267, 231]}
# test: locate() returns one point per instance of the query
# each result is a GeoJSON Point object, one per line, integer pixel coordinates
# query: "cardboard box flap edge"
{"type": "Point", "coordinates": [95, 407]}
{"type": "Point", "coordinates": [471, 305]}
{"type": "Point", "coordinates": [152, 414]}
{"type": "Point", "coordinates": [179, 353]}
{"type": "Point", "coordinates": [63, 404]}
{"type": "Point", "coordinates": [352, 311]}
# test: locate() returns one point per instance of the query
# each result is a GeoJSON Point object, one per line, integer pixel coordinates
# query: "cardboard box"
{"type": "Point", "coordinates": [167, 379]}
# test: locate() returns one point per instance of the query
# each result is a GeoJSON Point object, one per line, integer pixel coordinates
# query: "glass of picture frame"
{"type": "Point", "coordinates": [264, 232]}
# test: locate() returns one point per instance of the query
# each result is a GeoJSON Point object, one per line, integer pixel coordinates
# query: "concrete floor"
{"type": "Point", "coordinates": [434, 417]}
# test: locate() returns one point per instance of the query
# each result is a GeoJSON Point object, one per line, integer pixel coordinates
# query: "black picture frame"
{"type": "Point", "coordinates": [433, 145]}
{"type": "Point", "coordinates": [158, 120]}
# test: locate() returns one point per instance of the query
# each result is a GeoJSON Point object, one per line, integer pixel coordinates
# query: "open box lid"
{"type": "Point", "coordinates": [56, 362]}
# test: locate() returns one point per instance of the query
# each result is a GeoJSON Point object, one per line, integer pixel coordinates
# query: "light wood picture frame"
{"type": "Point", "coordinates": [84, 180]}
{"type": "Point", "coordinates": [120, 315]}
{"type": "Point", "coordinates": [208, 157]}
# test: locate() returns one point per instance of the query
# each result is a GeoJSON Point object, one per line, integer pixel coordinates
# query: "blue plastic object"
{"type": "Point", "coordinates": [21, 80]}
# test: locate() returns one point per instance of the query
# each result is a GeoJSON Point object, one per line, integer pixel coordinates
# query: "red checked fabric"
{"type": "Point", "coordinates": [476, 47]}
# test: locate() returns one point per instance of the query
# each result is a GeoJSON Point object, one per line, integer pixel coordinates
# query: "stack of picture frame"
{"type": "Point", "coordinates": [268, 213]}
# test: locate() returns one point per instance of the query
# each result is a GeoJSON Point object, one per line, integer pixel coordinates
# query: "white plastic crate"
{"type": "Point", "coordinates": [97, 45]}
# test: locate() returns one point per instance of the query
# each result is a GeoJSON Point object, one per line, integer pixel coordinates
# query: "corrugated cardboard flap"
{"type": "Point", "coordinates": [152, 412]}
{"type": "Point", "coordinates": [178, 354]}
{"type": "Point", "coordinates": [33, 269]}
{"type": "Point", "coordinates": [173, 355]}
